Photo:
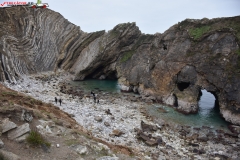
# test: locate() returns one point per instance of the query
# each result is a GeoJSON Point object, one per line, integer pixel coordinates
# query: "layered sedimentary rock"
{"type": "Point", "coordinates": [171, 67]}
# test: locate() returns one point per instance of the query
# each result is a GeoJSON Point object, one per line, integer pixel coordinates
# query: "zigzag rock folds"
{"type": "Point", "coordinates": [171, 67]}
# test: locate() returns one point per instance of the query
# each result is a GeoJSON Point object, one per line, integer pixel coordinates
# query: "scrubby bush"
{"type": "Point", "coordinates": [35, 138]}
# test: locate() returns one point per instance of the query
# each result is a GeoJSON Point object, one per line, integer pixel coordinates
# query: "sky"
{"type": "Point", "coordinates": [151, 16]}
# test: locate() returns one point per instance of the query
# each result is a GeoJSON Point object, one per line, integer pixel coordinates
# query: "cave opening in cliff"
{"type": "Point", "coordinates": [100, 74]}
{"type": "Point", "coordinates": [96, 73]}
{"type": "Point", "coordinates": [208, 103]}
{"type": "Point", "coordinates": [112, 75]}
{"type": "Point", "coordinates": [183, 85]}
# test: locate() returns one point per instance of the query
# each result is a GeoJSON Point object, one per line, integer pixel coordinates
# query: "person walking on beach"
{"type": "Point", "coordinates": [94, 99]}
{"type": "Point", "coordinates": [92, 93]}
{"type": "Point", "coordinates": [60, 101]}
{"type": "Point", "coordinates": [56, 100]}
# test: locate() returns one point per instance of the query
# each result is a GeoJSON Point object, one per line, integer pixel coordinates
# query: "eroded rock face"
{"type": "Point", "coordinates": [171, 67]}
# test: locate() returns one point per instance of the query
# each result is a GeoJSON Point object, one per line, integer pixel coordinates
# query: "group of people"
{"type": "Point", "coordinates": [92, 93]}
{"type": "Point", "coordinates": [94, 97]}
{"type": "Point", "coordinates": [56, 100]}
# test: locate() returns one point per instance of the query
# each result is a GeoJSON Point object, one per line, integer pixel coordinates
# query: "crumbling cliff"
{"type": "Point", "coordinates": [171, 67]}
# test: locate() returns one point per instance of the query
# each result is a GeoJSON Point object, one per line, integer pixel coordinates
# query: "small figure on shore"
{"type": "Point", "coordinates": [92, 93]}
{"type": "Point", "coordinates": [94, 99]}
{"type": "Point", "coordinates": [56, 100]}
{"type": "Point", "coordinates": [98, 101]}
{"type": "Point", "coordinates": [60, 101]}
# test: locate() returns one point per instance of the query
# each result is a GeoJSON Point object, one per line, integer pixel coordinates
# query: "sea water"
{"type": "Point", "coordinates": [94, 84]}
{"type": "Point", "coordinates": [208, 115]}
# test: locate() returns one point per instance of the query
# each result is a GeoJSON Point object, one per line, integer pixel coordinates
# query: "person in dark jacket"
{"type": "Point", "coordinates": [92, 93]}
{"type": "Point", "coordinates": [60, 101]}
{"type": "Point", "coordinates": [94, 99]}
{"type": "Point", "coordinates": [56, 100]}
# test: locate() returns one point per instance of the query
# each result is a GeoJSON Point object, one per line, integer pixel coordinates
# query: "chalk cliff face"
{"type": "Point", "coordinates": [171, 67]}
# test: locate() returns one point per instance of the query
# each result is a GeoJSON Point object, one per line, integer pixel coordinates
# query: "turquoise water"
{"type": "Point", "coordinates": [207, 115]}
{"type": "Point", "coordinates": [94, 84]}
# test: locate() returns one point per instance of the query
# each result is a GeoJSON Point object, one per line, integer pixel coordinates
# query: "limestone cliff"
{"type": "Point", "coordinates": [171, 67]}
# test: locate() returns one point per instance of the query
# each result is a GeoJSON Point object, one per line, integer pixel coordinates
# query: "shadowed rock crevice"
{"type": "Point", "coordinates": [183, 85]}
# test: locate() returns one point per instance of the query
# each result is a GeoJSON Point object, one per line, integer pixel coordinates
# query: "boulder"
{"type": "Point", "coordinates": [98, 118]}
{"type": "Point", "coordinates": [106, 124]}
{"type": "Point", "coordinates": [187, 107]}
{"type": "Point", "coordinates": [147, 127]}
{"type": "Point", "coordinates": [125, 88]}
{"type": "Point", "coordinates": [80, 149]}
{"type": "Point", "coordinates": [102, 77]}
{"type": "Point", "coordinates": [234, 128]}
{"type": "Point", "coordinates": [26, 115]}
{"type": "Point", "coordinates": [21, 138]}
{"type": "Point", "coordinates": [170, 100]}
{"type": "Point", "coordinates": [7, 125]}
{"type": "Point", "coordinates": [117, 132]}
{"type": "Point", "coordinates": [20, 130]}
{"type": "Point", "coordinates": [151, 142]}
{"type": "Point", "coordinates": [9, 155]}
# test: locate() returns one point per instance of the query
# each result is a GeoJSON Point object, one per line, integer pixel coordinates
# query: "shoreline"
{"type": "Point", "coordinates": [126, 116]}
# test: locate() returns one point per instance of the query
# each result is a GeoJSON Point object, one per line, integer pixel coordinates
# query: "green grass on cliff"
{"type": "Point", "coordinates": [197, 28]}
{"type": "Point", "coordinates": [35, 138]}
{"type": "Point", "coordinates": [127, 55]}
{"type": "Point", "coordinates": [197, 33]}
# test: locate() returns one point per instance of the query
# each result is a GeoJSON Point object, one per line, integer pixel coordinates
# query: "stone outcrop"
{"type": "Point", "coordinates": [24, 128]}
{"type": "Point", "coordinates": [171, 67]}
{"type": "Point", "coordinates": [7, 125]}
{"type": "Point", "coordinates": [9, 155]}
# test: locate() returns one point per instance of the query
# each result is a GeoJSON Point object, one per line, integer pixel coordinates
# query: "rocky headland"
{"type": "Point", "coordinates": [169, 68]}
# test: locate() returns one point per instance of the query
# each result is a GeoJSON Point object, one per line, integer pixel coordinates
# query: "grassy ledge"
{"type": "Point", "coordinates": [197, 33]}
{"type": "Point", "coordinates": [127, 55]}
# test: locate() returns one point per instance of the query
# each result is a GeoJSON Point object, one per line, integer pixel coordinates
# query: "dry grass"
{"type": "Point", "coordinates": [9, 99]}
